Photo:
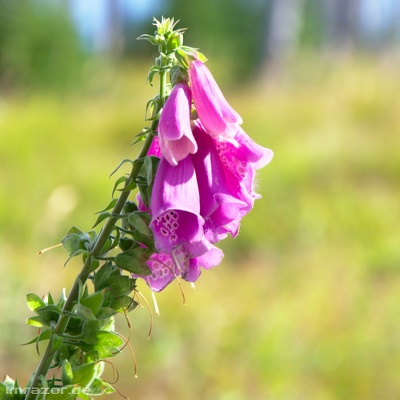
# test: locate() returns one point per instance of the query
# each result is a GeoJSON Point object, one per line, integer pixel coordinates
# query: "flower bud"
{"type": "Point", "coordinates": [175, 41]}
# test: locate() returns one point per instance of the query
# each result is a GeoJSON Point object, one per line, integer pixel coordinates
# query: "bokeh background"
{"type": "Point", "coordinates": [306, 303]}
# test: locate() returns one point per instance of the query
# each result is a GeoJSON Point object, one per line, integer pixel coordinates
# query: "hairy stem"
{"type": "Point", "coordinates": [46, 360]}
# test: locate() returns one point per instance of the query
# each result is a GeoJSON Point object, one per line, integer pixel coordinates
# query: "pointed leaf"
{"type": "Point", "coordinates": [34, 301]}
{"type": "Point", "coordinates": [123, 304]}
{"type": "Point", "coordinates": [99, 387]}
{"type": "Point", "coordinates": [94, 301]}
{"type": "Point", "coordinates": [36, 321]}
{"type": "Point", "coordinates": [56, 342]}
{"type": "Point", "coordinates": [111, 205]}
{"type": "Point", "coordinates": [66, 373]}
{"type": "Point", "coordinates": [104, 339]}
{"type": "Point", "coordinates": [118, 285]}
{"type": "Point", "coordinates": [44, 335]}
{"type": "Point", "coordinates": [85, 313]}
{"type": "Point", "coordinates": [102, 216]}
{"type": "Point", "coordinates": [140, 221]}
{"type": "Point", "coordinates": [103, 274]}
{"type": "Point", "coordinates": [134, 260]}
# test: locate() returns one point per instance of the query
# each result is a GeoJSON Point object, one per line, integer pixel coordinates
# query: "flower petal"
{"type": "Point", "coordinates": [217, 205]}
{"type": "Point", "coordinates": [215, 113]}
{"type": "Point", "coordinates": [208, 260]}
{"type": "Point", "coordinates": [175, 207]}
{"type": "Point", "coordinates": [174, 131]}
{"type": "Point", "coordinates": [163, 271]}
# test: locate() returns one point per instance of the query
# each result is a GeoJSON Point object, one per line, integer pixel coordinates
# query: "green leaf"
{"type": "Point", "coordinates": [151, 165]}
{"type": "Point", "coordinates": [193, 53]}
{"type": "Point", "coordinates": [85, 374]}
{"type": "Point", "coordinates": [146, 240]}
{"type": "Point", "coordinates": [62, 300]}
{"type": "Point", "coordinates": [56, 342]}
{"type": "Point", "coordinates": [102, 216]}
{"type": "Point", "coordinates": [129, 187]}
{"type": "Point", "coordinates": [152, 104]}
{"type": "Point", "coordinates": [50, 313]}
{"type": "Point", "coordinates": [125, 243]}
{"type": "Point", "coordinates": [118, 285]}
{"type": "Point", "coordinates": [182, 57]}
{"type": "Point", "coordinates": [76, 230]}
{"type": "Point", "coordinates": [120, 180]}
{"type": "Point", "coordinates": [111, 205]}
{"type": "Point", "coordinates": [85, 313]}
{"type": "Point", "coordinates": [99, 387]}
{"type": "Point", "coordinates": [90, 326]}
{"type": "Point", "coordinates": [134, 260]}
{"type": "Point", "coordinates": [44, 335]}
{"type": "Point", "coordinates": [127, 160]}
{"type": "Point", "coordinates": [103, 274]}
{"type": "Point", "coordinates": [105, 313]}
{"type": "Point", "coordinates": [153, 70]}
{"type": "Point", "coordinates": [147, 37]}
{"type": "Point", "coordinates": [34, 302]}
{"type": "Point", "coordinates": [92, 237]}
{"type": "Point", "coordinates": [66, 373]}
{"type": "Point", "coordinates": [94, 301]}
{"type": "Point", "coordinates": [140, 221]}
{"type": "Point", "coordinates": [50, 300]}
{"type": "Point", "coordinates": [74, 242]}
{"type": "Point", "coordinates": [39, 322]}
{"type": "Point", "coordinates": [90, 357]}
{"type": "Point", "coordinates": [123, 304]}
{"type": "Point", "coordinates": [3, 392]}
{"type": "Point", "coordinates": [103, 339]}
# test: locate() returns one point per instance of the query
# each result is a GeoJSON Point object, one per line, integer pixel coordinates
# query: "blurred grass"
{"type": "Point", "coordinates": [305, 305]}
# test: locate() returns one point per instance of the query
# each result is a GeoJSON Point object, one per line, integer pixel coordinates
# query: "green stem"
{"type": "Point", "coordinates": [59, 329]}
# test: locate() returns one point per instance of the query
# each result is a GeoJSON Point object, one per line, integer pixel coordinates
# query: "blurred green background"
{"type": "Point", "coordinates": [306, 303]}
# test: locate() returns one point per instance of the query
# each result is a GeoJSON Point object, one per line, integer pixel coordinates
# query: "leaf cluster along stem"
{"type": "Point", "coordinates": [110, 224]}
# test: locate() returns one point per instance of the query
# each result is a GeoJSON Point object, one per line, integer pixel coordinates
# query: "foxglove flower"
{"type": "Point", "coordinates": [175, 207]}
{"type": "Point", "coordinates": [174, 131]}
{"type": "Point", "coordinates": [220, 210]}
{"type": "Point", "coordinates": [164, 269]}
{"type": "Point", "coordinates": [217, 116]}
{"type": "Point", "coordinates": [240, 163]}
{"type": "Point", "coordinates": [177, 226]}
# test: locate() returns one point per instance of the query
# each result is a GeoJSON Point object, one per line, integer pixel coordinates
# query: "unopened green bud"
{"type": "Point", "coordinates": [174, 42]}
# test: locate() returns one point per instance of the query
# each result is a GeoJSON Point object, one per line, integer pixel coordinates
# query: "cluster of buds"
{"type": "Point", "coordinates": [204, 183]}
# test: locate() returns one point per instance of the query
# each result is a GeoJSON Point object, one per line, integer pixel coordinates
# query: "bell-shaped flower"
{"type": "Point", "coordinates": [239, 165]}
{"type": "Point", "coordinates": [174, 131]}
{"type": "Point", "coordinates": [175, 208]}
{"type": "Point", "coordinates": [163, 271]}
{"type": "Point", "coordinates": [218, 117]}
{"type": "Point", "coordinates": [164, 268]}
{"type": "Point", "coordinates": [208, 260]}
{"type": "Point", "coordinates": [220, 210]}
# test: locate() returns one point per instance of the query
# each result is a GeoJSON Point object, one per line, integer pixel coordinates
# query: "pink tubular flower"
{"type": "Point", "coordinates": [175, 207]}
{"type": "Point", "coordinates": [174, 132]}
{"type": "Point", "coordinates": [217, 116]}
{"type": "Point", "coordinates": [164, 269]}
{"type": "Point", "coordinates": [220, 210]}
{"type": "Point", "coordinates": [239, 165]}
